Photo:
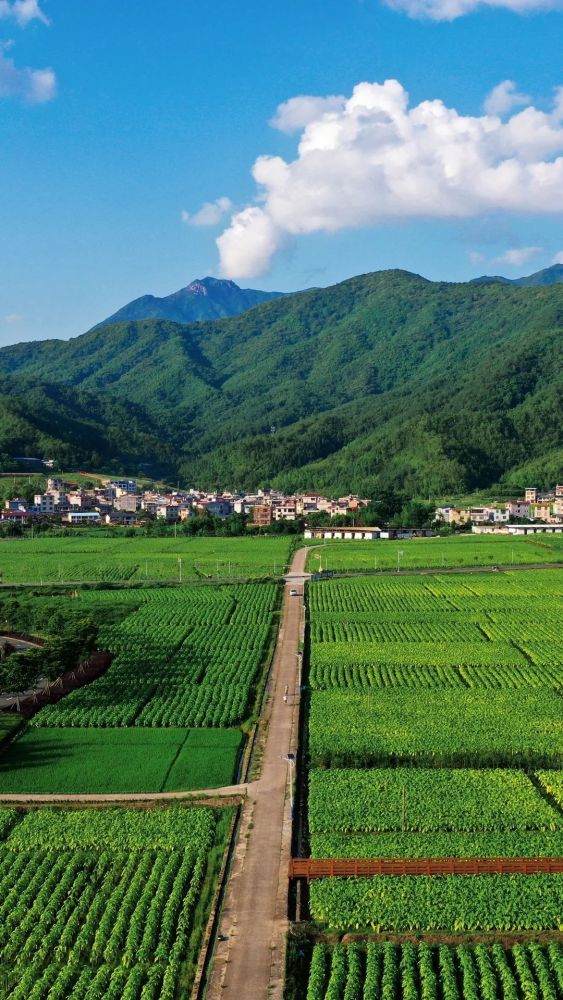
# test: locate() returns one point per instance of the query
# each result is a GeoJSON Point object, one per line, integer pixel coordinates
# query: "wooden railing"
{"type": "Point", "coordinates": [366, 867]}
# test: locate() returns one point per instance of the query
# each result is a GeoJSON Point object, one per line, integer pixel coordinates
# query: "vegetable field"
{"type": "Point", "coordinates": [426, 800]}
{"type": "Point", "coordinates": [442, 728]}
{"type": "Point", "coordinates": [435, 730]}
{"type": "Point", "coordinates": [186, 657]}
{"type": "Point", "coordinates": [458, 903]}
{"type": "Point", "coordinates": [434, 553]}
{"type": "Point", "coordinates": [422, 972]}
{"type": "Point", "coordinates": [102, 903]}
{"type": "Point", "coordinates": [99, 558]}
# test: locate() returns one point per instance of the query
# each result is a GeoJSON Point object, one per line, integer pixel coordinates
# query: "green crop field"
{"type": "Point", "coordinates": [425, 800]}
{"type": "Point", "coordinates": [102, 558]}
{"type": "Point", "coordinates": [186, 656]}
{"type": "Point", "coordinates": [525, 844]}
{"type": "Point", "coordinates": [105, 903]}
{"type": "Point", "coordinates": [94, 761]}
{"type": "Point", "coordinates": [422, 553]}
{"type": "Point", "coordinates": [439, 903]}
{"type": "Point", "coordinates": [186, 660]}
{"type": "Point", "coordinates": [428, 694]}
{"type": "Point", "coordinates": [422, 972]}
{"type": "Point", "coordinates": [442, 728]}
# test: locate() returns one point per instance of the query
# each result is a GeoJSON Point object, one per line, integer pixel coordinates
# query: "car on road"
{"type": "Point", "coordinates": [293, 593]}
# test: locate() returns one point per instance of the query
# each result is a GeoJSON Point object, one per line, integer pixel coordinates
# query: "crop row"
{"type": "Point", "coordinates": [526, 844]}
{"type": "Point", "coordinates": [457, 903]}
{"type": "Point", "coordinates": [425, 800]}
{"type": "Point", "coordinates": [423, 972]}
{"type": "Point", "coordinates": [78, 982]}
{"type": "Point", "coordinates": [367, 676]}
{"type": "Point", "coordinates": [418, 654]}
{"type": "Point", "coordinates": [450, 631]}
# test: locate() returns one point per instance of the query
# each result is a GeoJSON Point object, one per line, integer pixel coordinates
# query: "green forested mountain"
{"type": "Point", "coordinates": [547, 276]}
{"type": "Point", "coordinates": [385, 380]}
{"type": "Point", "coordinates": [205, 298]}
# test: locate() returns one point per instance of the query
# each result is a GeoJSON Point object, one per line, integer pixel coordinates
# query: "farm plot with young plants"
{"type": "Point", "coordinates": [435, 729]}
{"type": "Point", "coordinates": [103, 903]}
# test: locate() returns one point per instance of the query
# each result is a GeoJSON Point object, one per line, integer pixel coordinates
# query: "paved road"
{"type": "Point", "coordinates": [250, 955]}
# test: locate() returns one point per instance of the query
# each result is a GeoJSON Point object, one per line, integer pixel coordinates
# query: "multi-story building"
{"type": "Point", "coordinates": [261, 515]}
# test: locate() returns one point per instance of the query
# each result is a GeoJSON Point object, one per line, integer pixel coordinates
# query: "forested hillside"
{"type": "Point", "coordinates": [384, 380]}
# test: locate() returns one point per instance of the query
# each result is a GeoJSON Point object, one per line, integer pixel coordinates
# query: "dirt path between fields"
{"type": "Point", "coordinates": [250, 954]}
{"type": "Point", "coordinates": [125, 797]}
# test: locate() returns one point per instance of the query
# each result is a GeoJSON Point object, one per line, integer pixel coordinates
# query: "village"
{"type": "Point", "coordinates": [124, 502]}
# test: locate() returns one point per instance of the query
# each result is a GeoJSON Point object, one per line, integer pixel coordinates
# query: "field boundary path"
{"type": "Point", "coordinates": [249, 958]}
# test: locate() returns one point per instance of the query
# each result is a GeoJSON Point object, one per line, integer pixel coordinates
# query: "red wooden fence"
{"type": "Point", "coordinates": [353, 867]}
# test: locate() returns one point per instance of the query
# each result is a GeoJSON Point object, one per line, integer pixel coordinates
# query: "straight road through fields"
{"type": "Point", "coordinates": [250, 954]}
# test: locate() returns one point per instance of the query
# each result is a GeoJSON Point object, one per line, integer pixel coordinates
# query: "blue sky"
{"type": "Point", "coordinates": [152, 110]}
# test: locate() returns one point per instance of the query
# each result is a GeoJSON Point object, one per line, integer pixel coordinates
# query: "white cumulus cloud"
{"type": "Point", "coordinates": [375, 158]}
{"type": "Point", "coordinates": [518, 256]}
{"type": "Point", "coordinates": [35, 86]}
{"type": "Point", "coordinates": [210, 214]}
{"type": "Point", "coordinates": [558, 258]}
{"type": "Point", "coordinates": [503, 98]}
{"type": "Point", "coordinates": [448, 10]}
{"type": "Point", "coordinates": [22, 11]}
{"type": "Point", "coordinates": [296, 113]}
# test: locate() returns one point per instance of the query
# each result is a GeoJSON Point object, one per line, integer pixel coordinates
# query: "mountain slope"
{"type": "Point", "coordinates": [203, 299]}
{"type": "Point", "coordinates": [540, 279]}
{"type": "Point", "coordinates": [384, 380]}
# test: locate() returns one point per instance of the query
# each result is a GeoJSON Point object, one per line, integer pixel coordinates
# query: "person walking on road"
{"type": "Point", "coordinates": [285, 694]}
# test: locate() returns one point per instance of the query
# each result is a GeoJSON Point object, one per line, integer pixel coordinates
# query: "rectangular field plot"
{"type": "Point", "coordinates": [524, 844]}
{"type": "Point", "coordinates": [424, 800]}
{"type": "Point", "coordinates": [102, 558]}
{"type": "Point", "coordinates": [104, 903]}
{"type": "Point", "coordinates": [477, 631]}
{"type": "Point", "coordinates": [424, 972]}
{"type": "Point", "coordinates": [94, 761]}
{"type": "Point", "coordinates": [439, 903]}
{"type": "Point", "coordinates": [187, 656]}
{"type": "Point", "coordinates": [433, 553]}
{"type": "Point", "coordinates": [436, 728]}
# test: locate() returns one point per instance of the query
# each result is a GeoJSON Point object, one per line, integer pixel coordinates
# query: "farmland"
{"type": "Point", "coordinates": [104, 903]}
{"type": "Point", "coordinates": [105, 559]}
{"type": "Point", "coordinates": [186, 671]}
{"type": "Point", "coordinates": [187, 656]}
{"type": "Point", "coordinates": [457, 903]}
{"type": "Point", "coordinates": [422, 972]}
{"type": "Point", "coordinates": [126, 760]}
{"type": "Point", "coordinates": [433, 553]}
{"type": "Point", "coordinates": [435, 730]}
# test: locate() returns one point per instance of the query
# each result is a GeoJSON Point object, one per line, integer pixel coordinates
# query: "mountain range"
{"type": "Point", "coordinates": [204, 298]}
{"type": "Point", "coordinates": [547, 276]}
{"type": "Point", "coordinates": [384, 381]}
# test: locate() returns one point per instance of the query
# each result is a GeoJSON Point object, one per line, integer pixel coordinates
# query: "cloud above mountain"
{"type": "Point", "coordinates": [372, 158]}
